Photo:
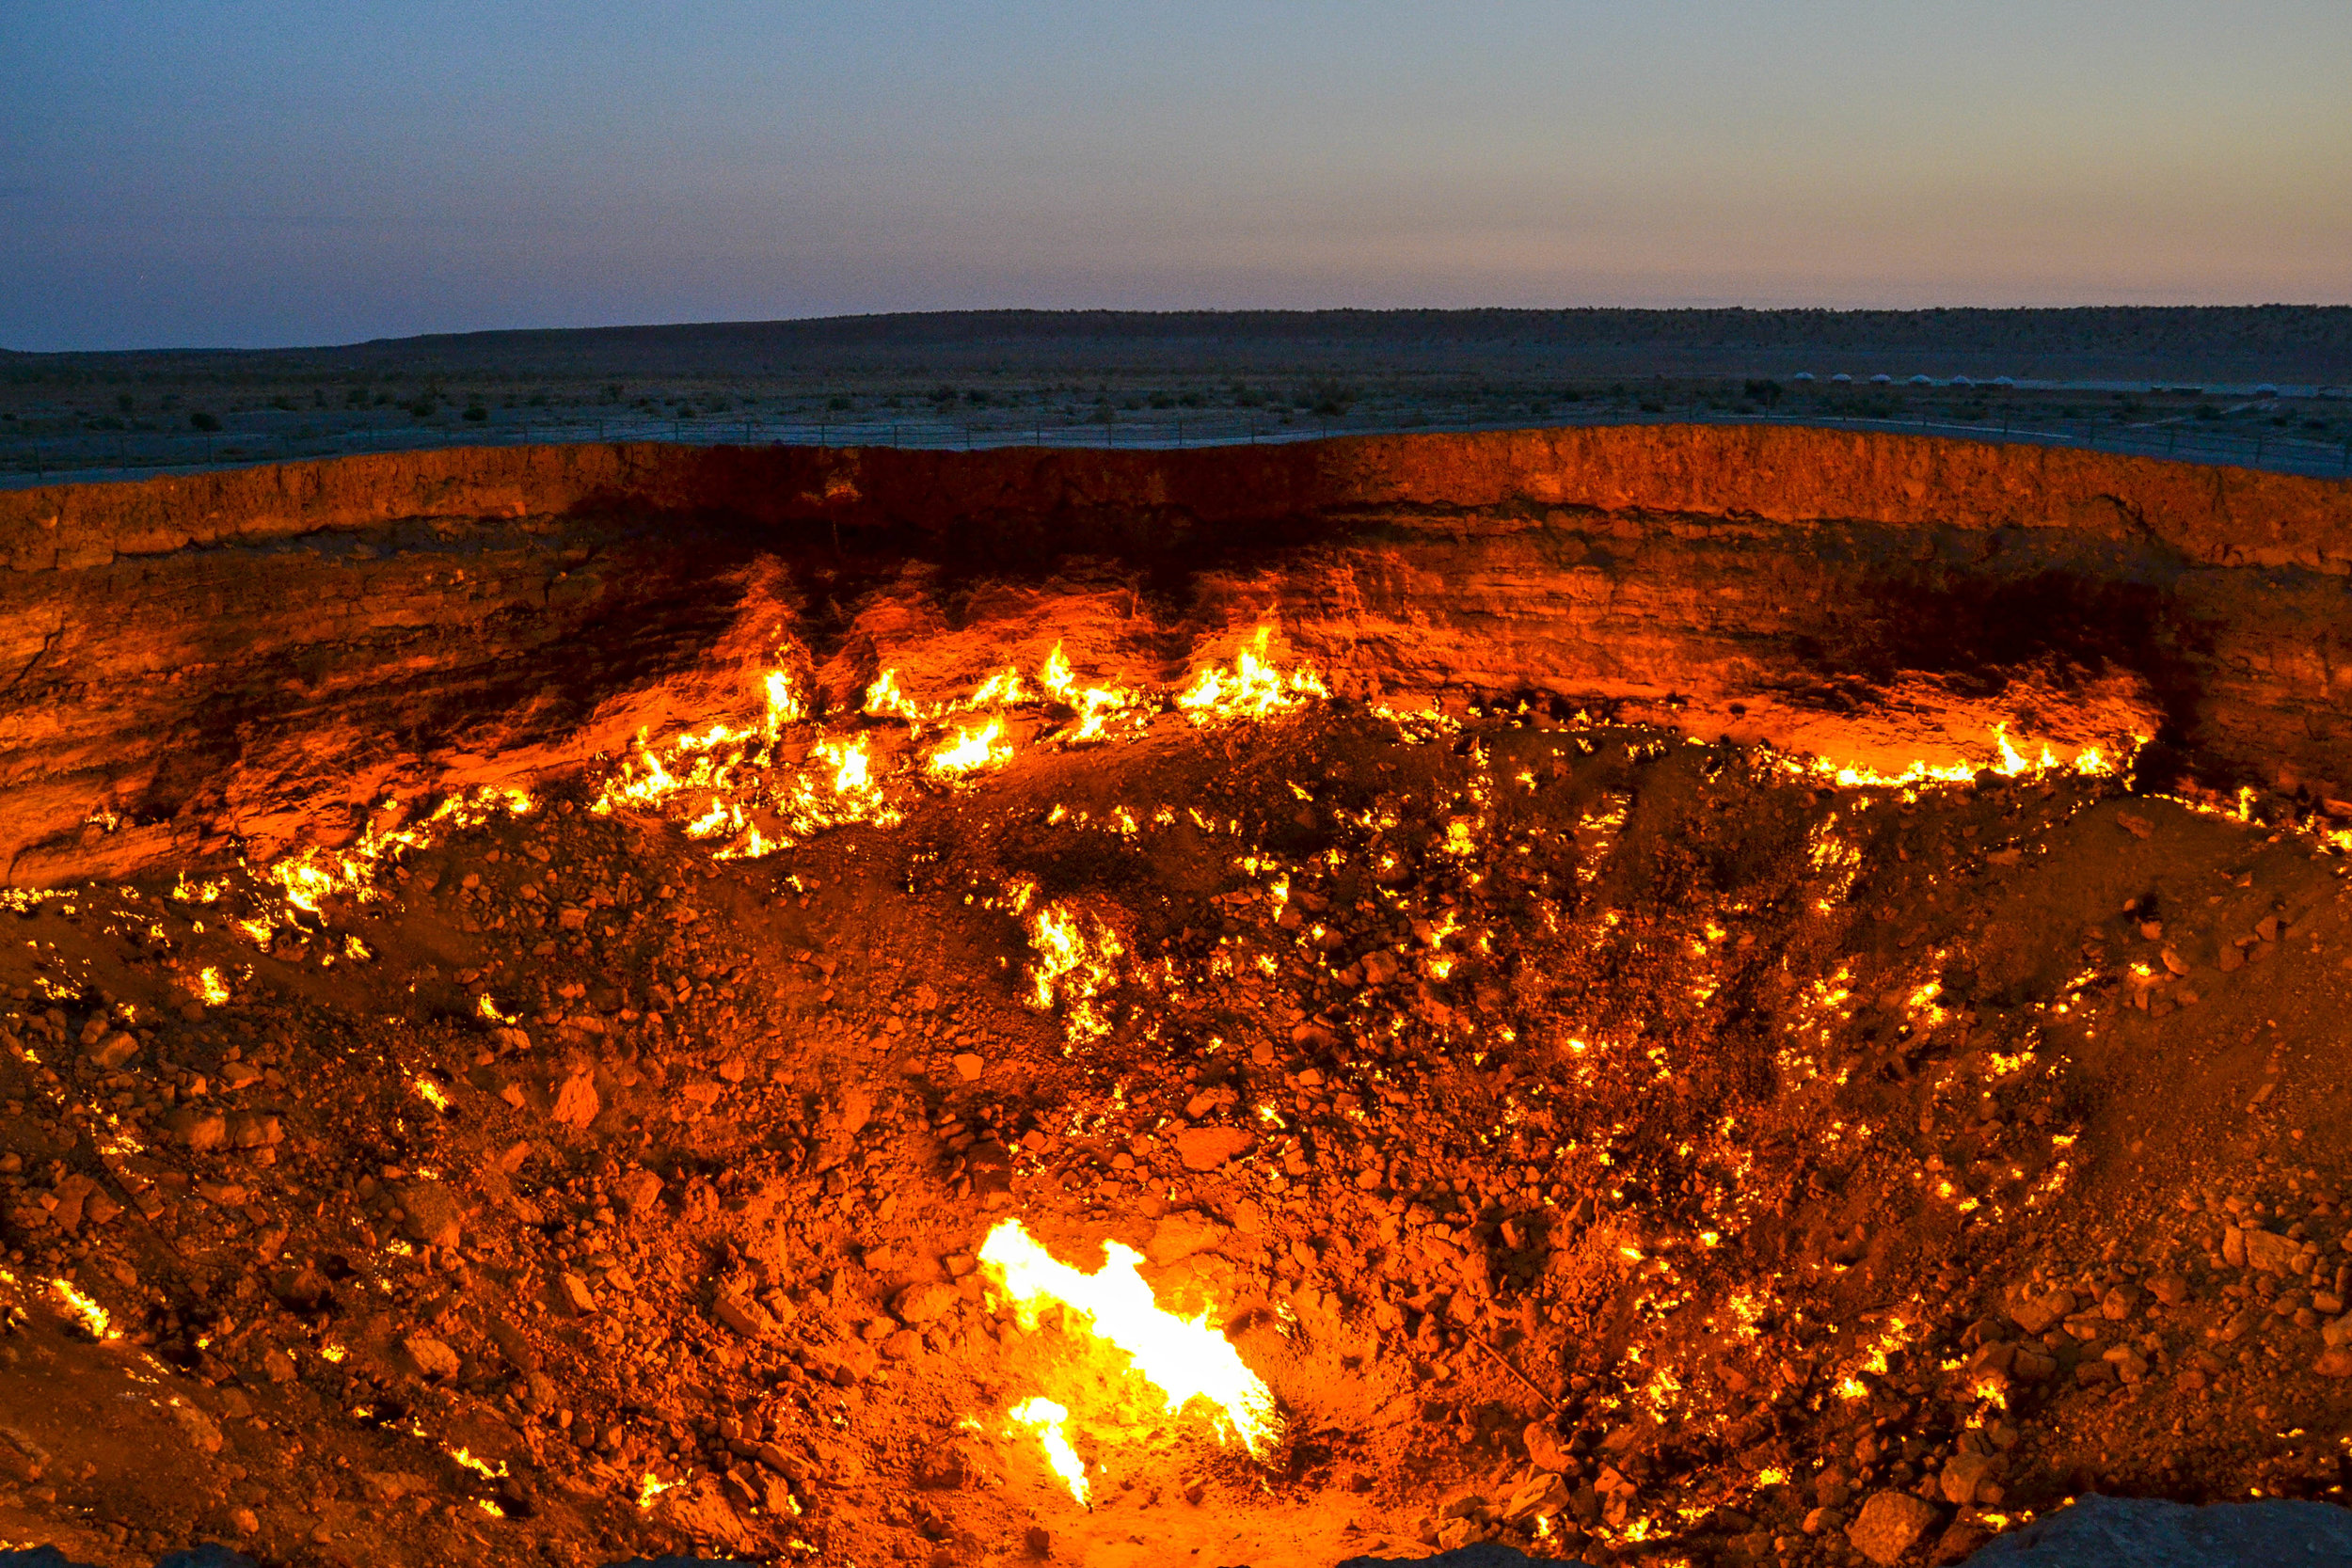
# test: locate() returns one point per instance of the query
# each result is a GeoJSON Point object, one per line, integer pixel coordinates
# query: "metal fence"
{"type": "Point", "coordinates": [85, 456]}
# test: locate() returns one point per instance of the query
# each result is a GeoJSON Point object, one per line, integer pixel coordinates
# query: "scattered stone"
{"type": "Point", "coordinates": [577, 1296]}
{"type": "Point", "coordinates": [968, 1067]}
{"type": "Point", "coordinates": [431, 1213]}
{"type": "Point", "coordinates": [429, 1356]}
{"type": "Point", "coordinates": [923, 1303]}
{"type": "Point", "coordinates": [200, 1428]}
{"type": "Point", "coordinates": [1180, 1235]}
{"type": "Point", "coordinates": [575, 1101]}
{"type": "Point", "coordinates": [2042, 1313]}
{"type": "Point", "coordinates": [1890, 1524]}
{"type": "Point", "coordinates": [1207, 1148]}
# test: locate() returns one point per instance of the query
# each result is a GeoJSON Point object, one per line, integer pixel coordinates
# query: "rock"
{"type": "Point", "coordinates": [2336, 1361]}
{"type": "Point", "coordinates": [746, 1318]}
{"type": "Point", "coordinates": [243, 1521]}
{"type": "Point", "coordinates": [2039, 1314]}
{"type": "Point", "coordinates": [253, 1130]}
{"type": "Point", "coordinates": [1963, 1475]}
{"type": "Point", "coordinates": [1821, 1520]}
{"type": "Point", "coordinates": [923, 1303]}
{"type": "Point", "coordinates": [2270, 1252]}
{"type": "Point", "coordinates": [200, 1427]}
{"type": "Point", "coordinates": [638, 1192]}
{"type": "Point", "coordinates": [1891, 1523]}
{"type": "Point", "coordinates": [2170, 1289]}
{"type": "Point", "coordinates": [277, 1366]}
{"type": "Point", "coordinates": [113, 1050]}
{"type": "Point", "coordinates": [575, 1103]}
{"type": "Point", "coordinates": [967, 1067]}
{"type": "Point", "coordinates": [1380, 966]}
{"type": "Point", "coordinates": [2233, 1246]}
{"type": "Point", "coordinates": [430, 1213]}
{"type": "Point", "coordinates": [576, 1296]}
{"type": "Point", "coordinates": [1207, 1148]}
{"type": "Point", "coordinates": [429, 1356]}
{"type": "Point", "coordinates": [198, 1130]}
{"type": "Point", "coordinates": [1180, 1235]}
{"type": "Point", "coordinates": [1544, 1450]}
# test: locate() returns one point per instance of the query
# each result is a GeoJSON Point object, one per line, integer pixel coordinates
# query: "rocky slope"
{"type": "Point", "coordinates": [243, 661]}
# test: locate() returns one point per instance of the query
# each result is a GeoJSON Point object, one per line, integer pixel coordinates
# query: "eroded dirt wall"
{"type": "Point", "coordinates": [193, 664]}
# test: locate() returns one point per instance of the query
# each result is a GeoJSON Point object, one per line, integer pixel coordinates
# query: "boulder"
{"type": "Point", "coordinates": [1890, 1525]}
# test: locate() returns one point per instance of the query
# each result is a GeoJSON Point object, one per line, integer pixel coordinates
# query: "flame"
{"type": "Point", "coordinates": [1051, 1423]}
{"type": "Point", "coordinates": [212, 988]}
{"type": "Point", "coordinates": [1253, 689]}
{"type": "Point", "coordinates": [884, 699]}
{"type": "Point", "coordinates": [1093, 704]}
{"type": "Point", "coordinates": [1001, 690]}
{"type": "Point", "coordinates": [1184, 1359]}
{"type": "Point", "coordinates": [649, 1489]}
{"type": "Point", "coordinates": [971, 751]}
{"type": "Point", "coordinates": [430, 1092]}
{"type": "Point", "coordinates": [1073, 965]}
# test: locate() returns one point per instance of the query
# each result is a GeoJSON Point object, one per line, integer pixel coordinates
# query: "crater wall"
{"type": "Point", "coordinates": [201, 666]}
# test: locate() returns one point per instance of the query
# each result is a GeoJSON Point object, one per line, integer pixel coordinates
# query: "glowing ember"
{"type": "Point", "coordinates": [1074, 965]}
{"type": "Point", "coordinates": [1184, 1359]}
{"type": "Point", "coordinates": [1051, 1423]}
{"type": "Point", "coordinates": [1253, 689]}
{"type": "Point", "coordinates": [212, 988]}
{"type": "Point", "coordinates": [93, 1317]}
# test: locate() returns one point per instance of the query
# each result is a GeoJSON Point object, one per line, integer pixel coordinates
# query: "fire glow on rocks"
{"type": "Point", "coordinates": [1530, 1093]}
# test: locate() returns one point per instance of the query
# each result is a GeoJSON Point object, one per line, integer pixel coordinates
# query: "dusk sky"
{"type": "Point", "coordinates": [252, 174]}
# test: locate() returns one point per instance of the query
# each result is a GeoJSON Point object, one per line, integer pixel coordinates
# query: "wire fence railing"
{"type": "Point", "coordinates": [100, 456]}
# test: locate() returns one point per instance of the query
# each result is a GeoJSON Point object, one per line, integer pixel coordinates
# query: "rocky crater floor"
{"type": "Point", "coordinates": [955, 1099]}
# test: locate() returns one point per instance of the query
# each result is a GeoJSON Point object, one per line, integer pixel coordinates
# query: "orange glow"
{"type": "Point", "coordinates": [1184, 1359]}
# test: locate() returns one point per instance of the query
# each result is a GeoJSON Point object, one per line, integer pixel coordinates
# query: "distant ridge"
{"type": "Point", "coordinates": [2285, 343]}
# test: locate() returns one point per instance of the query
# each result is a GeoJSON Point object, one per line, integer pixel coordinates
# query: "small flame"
{"type": "Point", "coordinates": [1253, 689]}
{"type": "Point", "coordinates": [1184, 1359]}
{"type": "Point", "coordinates": [212, 988]}
{"type": "Point", "coordinates": [1074, 966]}
{"type": "Point", "coordinates": [1051, 1423]}
{"type": "Point", "coordinates": [971, 751]}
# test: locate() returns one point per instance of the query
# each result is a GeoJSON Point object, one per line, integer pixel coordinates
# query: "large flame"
{"type": "Point", "coordinates": [1183, 1358]}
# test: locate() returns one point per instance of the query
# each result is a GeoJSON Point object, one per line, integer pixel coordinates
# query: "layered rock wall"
{"type": "Point", "coordinates": [199, 666]}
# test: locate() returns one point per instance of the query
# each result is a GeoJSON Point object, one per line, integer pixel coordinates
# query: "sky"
{"type": "Point", "coordinates": [205, 173]}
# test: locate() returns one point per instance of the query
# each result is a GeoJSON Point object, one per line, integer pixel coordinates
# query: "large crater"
{"type": "Point", "coordinates": [1653, 994]}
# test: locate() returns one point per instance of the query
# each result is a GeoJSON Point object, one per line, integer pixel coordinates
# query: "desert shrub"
{"type": "Point", "coordinates": [200, 419]}
{"type": "Point", "coordinates": [839, 404]}
{"type": "Point", "coordinates": [476, 412]}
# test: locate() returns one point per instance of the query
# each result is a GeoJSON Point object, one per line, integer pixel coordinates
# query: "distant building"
{"type": "Point", "coordinates": [1840, 378]}
{"type": "Point", "coordinates": [1881, 380]}
{"type": "Point", "coordinates": [1802, 375]}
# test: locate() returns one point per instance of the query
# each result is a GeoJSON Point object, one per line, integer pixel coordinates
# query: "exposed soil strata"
{"type": "Point", "coordinates": [252, 655]}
